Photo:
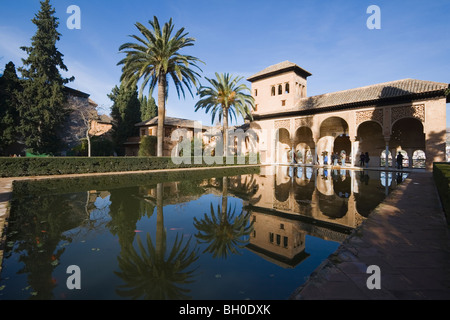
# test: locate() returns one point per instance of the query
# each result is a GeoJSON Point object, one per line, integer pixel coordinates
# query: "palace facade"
{"type": "Point", "coordinates": [407, 116]}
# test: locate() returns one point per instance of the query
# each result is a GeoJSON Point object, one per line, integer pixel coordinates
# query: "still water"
{"type": "Point", "coordinates": [248, 236]}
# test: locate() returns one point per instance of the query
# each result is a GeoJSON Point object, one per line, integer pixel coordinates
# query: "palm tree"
{"type": "Point", "coordinates": [156, 271]}
{"type": "Point", "coordinates": [223, 230]}
{"type": "Point", "coordinates": [226, 97]}
{"type": "Point", "coordinates": [153, 58]}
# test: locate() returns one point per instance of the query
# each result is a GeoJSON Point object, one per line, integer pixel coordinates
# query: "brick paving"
{"type": "Point", "coordinates": [407, 237]}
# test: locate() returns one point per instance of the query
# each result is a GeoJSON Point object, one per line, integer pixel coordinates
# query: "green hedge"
{"type": "Point", "coordinates": [441, 174]}
{"type": "Point", "coordinates": [148, 146]}
{"type": "Point", "coordinates": [22, 188]}
{"type": "Point", "coordinates": [17, 167]}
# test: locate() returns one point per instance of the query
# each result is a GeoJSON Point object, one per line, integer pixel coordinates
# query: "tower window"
{"type": "Point", "coordinates": [256, 92]}
{"type": "Point", "coordinates": [285, 242]}
{"type": "Point", "coordinates": [286, 88]}
{"type": "Point", "coordinates": [283, 103]}
{"type": "Point", "coordinates": [280, 89]}
{"type": "Point", "coordinates": [273, 91]}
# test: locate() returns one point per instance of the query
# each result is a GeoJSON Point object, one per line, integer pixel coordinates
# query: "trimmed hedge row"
{"type": "Point", "coordinates": [441, 175]}
{"type": "Point", "coordinates": [18, 167]}
{"type": "Point", "coordinates": [53, 186]}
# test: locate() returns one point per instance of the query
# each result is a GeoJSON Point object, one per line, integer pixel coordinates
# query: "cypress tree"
{"type": "Point", "coordinates": [43, 99]}
{"type": "Point", "coordinates": [149, 109]}
{"type": "Point", "coordinates": [9, 115]}
{"type": "Point", "coordinates": [126, 112]}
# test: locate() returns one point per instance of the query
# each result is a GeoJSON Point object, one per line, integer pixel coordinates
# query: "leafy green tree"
{"type": "Point", "coordinates": [149, 109]}
{"type": "Point", "coordinates": [126, 112]}
{"type": "Point", "coordinates": [226, 98]}
{"type": "Point", "coordinates": [42, 101]}
{"type": "Point", "coordinates": [156, 57]}
{"type": "Point", "coordinates": [10, 87]}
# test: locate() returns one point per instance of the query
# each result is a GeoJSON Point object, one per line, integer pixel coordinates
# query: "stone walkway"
{"type": "Point", "coordinates": [406, 236]}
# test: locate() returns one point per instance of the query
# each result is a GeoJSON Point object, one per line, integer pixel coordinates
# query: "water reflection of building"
{"type": "Point", "coordinates": [332, 196]}
{"type": "Point", "coordinates": [292, 202]}
{"type": "Point", "coordinates": [277, 239]}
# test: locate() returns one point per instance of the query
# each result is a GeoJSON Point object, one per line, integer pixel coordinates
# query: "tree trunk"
{"type": "Point", "coordinates": [159, 220]}
{"type": "Point", "coordinates": [225, 128]}
{"type": "Point", "coordinates": [224, 198]}
{"type": "Point", "coordinates": [88, 141]}
{"type": "Point", "coordinates": [161, 114]}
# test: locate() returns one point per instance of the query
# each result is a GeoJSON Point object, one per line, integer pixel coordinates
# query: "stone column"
{"type": "Point", "coordinates": [409, 152]}
{"type": "Point", "coordinates": [352, 151]}
{"type": "Point", "coordinates": [315, 160]}
{"type": "Point", "coordinates": [386, 150]}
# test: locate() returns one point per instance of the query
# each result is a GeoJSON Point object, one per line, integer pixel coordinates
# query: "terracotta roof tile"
{"type": "Point", "coordinates": [277, 68]}
{"type": "Point", "coordinates": [393, 89]}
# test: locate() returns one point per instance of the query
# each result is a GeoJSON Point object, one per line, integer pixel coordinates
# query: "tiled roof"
{"type": "Point", "coordinates": [277, 68]}
{"type": "Point", "coordinates": [389, 90]}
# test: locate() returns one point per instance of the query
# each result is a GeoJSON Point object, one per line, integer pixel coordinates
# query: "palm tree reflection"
{"type": "Point", "coordinates": [150, 272]}
{"type": "Point", "coordinates": [222, 229]}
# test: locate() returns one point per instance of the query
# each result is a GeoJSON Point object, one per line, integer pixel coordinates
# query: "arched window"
{"type": "Point", "coordinates": [418, 159]}
{"type": "Point", "coordinates": [286, 88]}
{"type": "Point", "coordinates": [383, 159]}
{"type": "Point", "coordinates": [405, 162]}
{"type": "Point", "coordinates": [273, 91]}
{"type": "Point", "coordinates": [280, 89]}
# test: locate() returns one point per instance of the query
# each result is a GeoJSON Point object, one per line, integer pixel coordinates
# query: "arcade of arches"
{"type": "Point", "coordinates": [333, 135]}
{"type": "Point", "coordinates": [405, 116]}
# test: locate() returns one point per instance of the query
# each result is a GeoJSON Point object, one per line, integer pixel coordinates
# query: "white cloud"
{"type": "Point", "coordinates": [11, 39]}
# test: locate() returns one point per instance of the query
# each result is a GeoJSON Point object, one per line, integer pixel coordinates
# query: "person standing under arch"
{"type": "Point", "coordinates": [361, 160]}
{"type": "Point", "coordinates": [366, 159]}
{"type": "Point", "coordinates": [399, 161]}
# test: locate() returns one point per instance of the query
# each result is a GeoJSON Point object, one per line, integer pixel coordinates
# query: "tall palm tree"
{"type": "Point", "coordinates": [226, 97]}
{"type": "Point", "coordinates": [153, 59]}
{"type": "Point", "coordinates": [223, 230]}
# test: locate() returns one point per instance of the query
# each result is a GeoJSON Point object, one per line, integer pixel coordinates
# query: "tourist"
{"type": "Point", "coordinates": [366, 159]}
{"type": "Point", "coordinates": [399, 160]}
{"type": "Point", "coordinates": [335, 158]}
{"type": "Point", "coordinates": [325, 159]}
{"type": "Point", "coordinates": [361, 160]}
{"type": "Point", "coordinates": [342, 159]}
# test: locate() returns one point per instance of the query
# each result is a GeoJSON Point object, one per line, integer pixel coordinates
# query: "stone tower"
{"type": "Point", "coordinates": [278, 87]}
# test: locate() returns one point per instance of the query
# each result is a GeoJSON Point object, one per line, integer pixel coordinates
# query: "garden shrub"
{"type": "Point", "coordinates": [147, 148]}
{"type": "Point", "coordinates": [441, 175]}
{"type": "Point", "coordinates": [24, 166]}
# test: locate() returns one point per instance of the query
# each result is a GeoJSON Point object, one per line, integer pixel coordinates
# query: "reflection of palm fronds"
{"type": "Point", "coordinates": [223, 231]}
{"type": "Point", "coordinates": [245, 189]}
{"type": "Point", "coordinates": [153, 276]}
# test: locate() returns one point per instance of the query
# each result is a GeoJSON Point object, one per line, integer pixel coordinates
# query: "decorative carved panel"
{"type": "Point", "coordinates": [281, 205]}
{"type": "Point", "coordinates": [417, 112]}
{"type": "Point", "coordinates": [283, 124]}
{"type": "Point", "coordinates": [369, 115]}
{"type": "Point", "coordinates": [303, 122]}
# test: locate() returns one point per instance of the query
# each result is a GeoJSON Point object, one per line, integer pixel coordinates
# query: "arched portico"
{"type": "Point", "coordinates": [370, 139]}
{"type": "Point", "coordinates": [304, 145]}
{"type": "Point", "coordinates": [333, 137]}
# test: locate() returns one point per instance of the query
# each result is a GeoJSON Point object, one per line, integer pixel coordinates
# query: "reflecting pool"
{"type": "Point", "coordinates": [215, 235]}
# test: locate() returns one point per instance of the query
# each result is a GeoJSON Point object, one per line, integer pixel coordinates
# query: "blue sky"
{"type": "Point", "coordinates": [329, 38]}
